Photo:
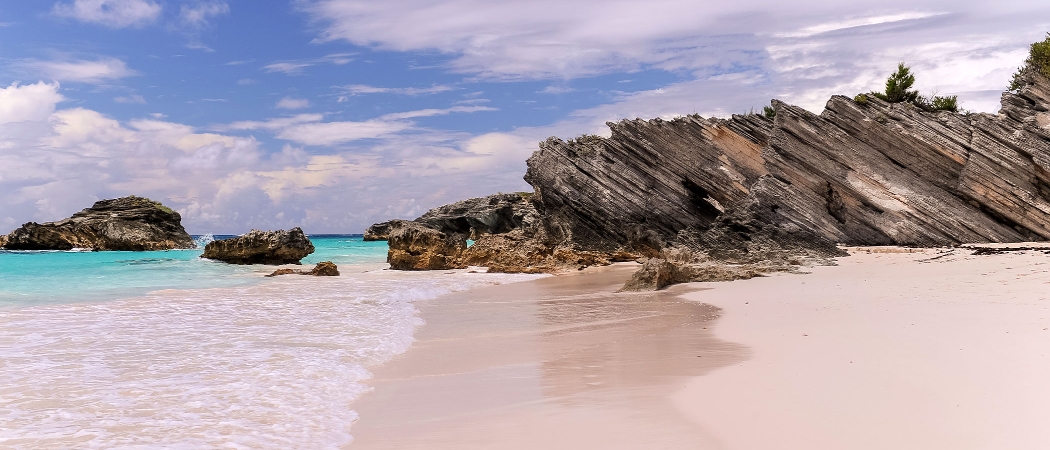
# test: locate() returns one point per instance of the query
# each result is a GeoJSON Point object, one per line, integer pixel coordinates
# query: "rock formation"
{"type": "Point", "coordinates": [322, 269]}
{"type": "Point", "coordinates": [261, 247]}
{"type": "Point", "coordinates": [381, 231]}
{"type": "Point", "coordinates": [773, 193]}
{"type": "Point", "coordinates": [128, 223]}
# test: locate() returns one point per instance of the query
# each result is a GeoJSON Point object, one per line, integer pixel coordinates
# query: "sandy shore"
{"type": "Point", "coordinates": [890, 349]}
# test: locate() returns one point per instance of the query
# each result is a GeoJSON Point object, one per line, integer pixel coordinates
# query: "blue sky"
{"type": "Point", "coordinates": [334, 114]}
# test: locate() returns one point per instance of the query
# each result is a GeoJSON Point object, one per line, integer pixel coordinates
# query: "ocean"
{"type": "Point", "coordinates": [163, 349]}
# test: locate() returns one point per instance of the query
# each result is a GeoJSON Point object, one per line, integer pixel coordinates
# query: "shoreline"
{"type": "Point", "coordinates": [557, 362]}
{"type": "Point", "coordinates": [893, 348]}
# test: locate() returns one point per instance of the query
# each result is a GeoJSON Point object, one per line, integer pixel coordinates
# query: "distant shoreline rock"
{"type": "Point", "coordinates": [128, 223]}
{"type": "Point", "coordinates": [261, 247]}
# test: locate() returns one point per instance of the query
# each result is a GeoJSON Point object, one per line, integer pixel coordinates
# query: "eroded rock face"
{"type": "Point", "coordinates": [717, 198]}
{"type": "Point", "coordinates": [261, 247]}
{"type": "Point", "coordinates": [381, 231]}
{"type": "Point", "coordinates": [868, 174]}
{"type": "Point", "coordinates": [127, 223]}
{"type": "Point", "coordinates": [473, 218]}
{"type": "Point", "coordinates": [418, 247]}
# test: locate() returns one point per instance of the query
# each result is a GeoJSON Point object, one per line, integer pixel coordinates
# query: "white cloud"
{"type": "Point", "coordinates": [111, 13]}
{"type": "Point", "coordinates": [435, 112]}
{"type": "Point", "coordinates": [288, 68]}
{"type": "Point", "coordinates": [272, 124]}
{"type": "Point", "coordinates": [330, 133]}
{"type": "Point", "coordinates": [293, 103]}
{"type": "Point", "coordinates": [83, 71]}
{"type": "Point", "coordinates": [557, 90]}
{"type": "Point", "coordinates": [362, 89]}
{"type": "Point", "coordinates": [563, 39]}
{"type": "Point", "coordinates": [295, 67]}
{"type": "Point", "coordinates": [134, 98]}
{"type": "Point", "coordinates": [198, 15]}
{"type": "Point", "coordinates": [855, 22]}
{"type": "Point", "coordinates": [31, 102]}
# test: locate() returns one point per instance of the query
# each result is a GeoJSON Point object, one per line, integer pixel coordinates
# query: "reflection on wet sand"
{"type": "Point", "coordinates": [561, 361]}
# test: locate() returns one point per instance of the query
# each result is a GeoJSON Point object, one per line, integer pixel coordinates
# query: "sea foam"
{"type": "Point", "coordinates": [272, 365]}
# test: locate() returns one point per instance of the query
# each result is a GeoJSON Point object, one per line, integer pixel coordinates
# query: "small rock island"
{"type": "Point", "coordinates": [127, 223]}
{"type": "Point", "coordinates": [261, 247]}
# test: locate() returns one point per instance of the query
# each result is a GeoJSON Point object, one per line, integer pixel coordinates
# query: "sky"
{"type": "Point", "coordinates": [336, 114]}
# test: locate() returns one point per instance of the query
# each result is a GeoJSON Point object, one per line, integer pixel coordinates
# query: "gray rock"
{"type": "Point", "coordinates": [869, 174]}
{"type": "Point", "coordinates": [127, 223]}
{"type": "Point", "coordinates": [381, 231]}
{"type": "Point", "coordinates": [749, 194]}
{"type": "Point", "coordinates": [261, 247]}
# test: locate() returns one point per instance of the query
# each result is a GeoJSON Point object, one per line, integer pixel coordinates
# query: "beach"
{"type": "Point", "coordinates": [891, 348]}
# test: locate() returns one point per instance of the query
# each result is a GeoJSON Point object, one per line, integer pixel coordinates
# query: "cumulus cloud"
{"type": "Point", "coordinates": [293, 103]}
{"type": "Point", "coordinates": [31, 102]}
{"type": "Point", "coordinates": [111, 13]}
{"type": "Point", "coordinates": [83, 71]}
{"type": "Point", "coordinates": [60, 160]}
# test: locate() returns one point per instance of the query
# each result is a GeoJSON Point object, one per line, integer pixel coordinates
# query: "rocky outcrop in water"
{"type": "Point", "coordinates": [322, 269]}
{"type": "Point", "coordinates": [776, 193]}
{"type": "Point", "coordinates": [127, 223]}
{"type": "Point", "coordinates": [261, 247]}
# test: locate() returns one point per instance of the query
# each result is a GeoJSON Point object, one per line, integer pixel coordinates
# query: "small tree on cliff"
{"type": "Point", "coordinates": [1038, 60]}
{"type": "Point", "coordinates": [898, 90]}
{"type": "Point", "coordinates": [898, 85]}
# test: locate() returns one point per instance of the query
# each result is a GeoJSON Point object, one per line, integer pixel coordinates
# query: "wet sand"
{"type": "Point", "coordinates": [893, 348]}
{"type": "Point", "coordinates": [560, 362]}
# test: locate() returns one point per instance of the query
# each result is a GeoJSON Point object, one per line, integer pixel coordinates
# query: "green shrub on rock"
{"type": "Point", "coordinates": [861, 99]}
{"type": "Point", "coordinates": [1038, 60]}
{"type": "Point", "coordinates": [898, 86]}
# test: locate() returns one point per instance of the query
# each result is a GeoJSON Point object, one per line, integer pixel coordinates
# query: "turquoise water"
{"type": "Point", "coordinates": [43, 277]}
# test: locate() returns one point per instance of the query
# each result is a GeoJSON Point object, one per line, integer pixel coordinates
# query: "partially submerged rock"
{"type": "Point", "coordinates": [322, 269]}
{"type": "Point", "coordinates": [127, 223]}
{"type": "Point", "coordinates": [261, 247]}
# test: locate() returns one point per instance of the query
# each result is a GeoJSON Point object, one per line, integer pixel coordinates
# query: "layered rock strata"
{"type": "Point", "coordinates": [779, 192]}
{"type": "Point", "coordinates": [127, 223]}
{"type": "Point", "coordinates": [261, 247]}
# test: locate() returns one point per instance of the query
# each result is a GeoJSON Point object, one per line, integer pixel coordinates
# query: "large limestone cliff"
{"type": "Point", "coordinates": [127, 223]}
{"type": "Point", "coordinates": [762, 194]}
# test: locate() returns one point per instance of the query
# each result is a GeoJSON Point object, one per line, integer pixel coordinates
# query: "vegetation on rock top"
{"type": "Point", "coordinates": [1038, 60]}
{"type": "Point", "coordinates": [898, 90]}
